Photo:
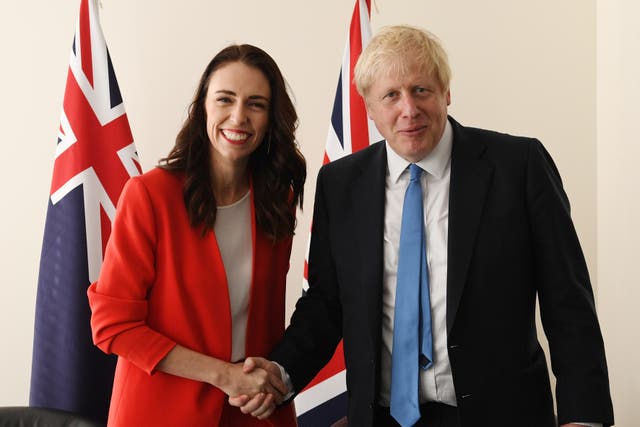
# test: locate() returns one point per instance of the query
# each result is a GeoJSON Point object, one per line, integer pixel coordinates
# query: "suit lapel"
{"type": "Point", "coordinates": [368, 204]}
{"type": "Point", "coordinates": [470, 179]}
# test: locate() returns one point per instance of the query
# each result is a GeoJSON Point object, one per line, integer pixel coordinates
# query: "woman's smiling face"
{"type": "Point", "coordinates": [237, 108]}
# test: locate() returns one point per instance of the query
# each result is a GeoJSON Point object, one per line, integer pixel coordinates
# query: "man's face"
{"type": "Point", "coordinates": [410, 111]}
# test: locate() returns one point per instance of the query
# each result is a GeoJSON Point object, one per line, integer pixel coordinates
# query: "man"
{"type": "Point", "coordinates": [498, 233]}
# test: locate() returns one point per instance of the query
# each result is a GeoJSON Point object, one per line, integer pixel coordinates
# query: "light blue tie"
{"type": "Point", "coordinates": [412, 340]}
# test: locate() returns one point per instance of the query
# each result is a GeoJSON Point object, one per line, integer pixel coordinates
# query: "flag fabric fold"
{"type": "Point", "coordinates": [94, 157]}
{"type": "Point", "coordinates": [324, 401]}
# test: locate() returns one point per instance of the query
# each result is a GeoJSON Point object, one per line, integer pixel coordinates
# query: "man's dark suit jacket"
{"type": "Point", "coordinates": [510, 238]}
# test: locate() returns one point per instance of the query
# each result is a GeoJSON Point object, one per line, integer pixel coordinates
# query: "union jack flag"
{"type": "Point", "coordinates": [94, 157]}
{"type": "Point", "coordinates": [324, 401]}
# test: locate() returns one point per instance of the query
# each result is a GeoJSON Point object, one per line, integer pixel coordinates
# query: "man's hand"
{"type": "Point", "coordinates": [260, 405]}
{"type": "Point", "coordinates": [254, 381]}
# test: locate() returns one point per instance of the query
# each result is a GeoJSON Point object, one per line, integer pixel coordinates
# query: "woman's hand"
{"type": "Point", "coordinates": [236, 381]}
{"type": "Point", "coordinates": [256, 382]}
{"type": "Point", "coordinates": [260, 405]}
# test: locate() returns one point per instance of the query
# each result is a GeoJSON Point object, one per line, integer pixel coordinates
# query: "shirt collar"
{"type": "Point", "coordinates": [434, 163]}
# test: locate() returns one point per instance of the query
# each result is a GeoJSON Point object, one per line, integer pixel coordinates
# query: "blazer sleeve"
{"type": "Point", "coordinates": [316, 324]}
{"type": "Point", "coordinates": [566, 298]}
{"type": "Point", "coordinates": [118, 299]}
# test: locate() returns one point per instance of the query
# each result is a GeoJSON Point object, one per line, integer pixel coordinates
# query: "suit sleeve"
{"type": "Point", "coordinates": [316, 324]}
{"type": "Point", "coordinates": [118, 299]}
{"type": "Point", "coordinates": [566, 298]}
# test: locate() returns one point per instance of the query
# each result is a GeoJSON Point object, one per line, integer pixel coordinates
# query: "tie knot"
{"type": "Point", "coordinates": [415, 171]}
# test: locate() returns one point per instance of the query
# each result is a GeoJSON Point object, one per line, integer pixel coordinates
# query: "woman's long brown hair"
{"type": "Point", "coordinates": [277, 167]}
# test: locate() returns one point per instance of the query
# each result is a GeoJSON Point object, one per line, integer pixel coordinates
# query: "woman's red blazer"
{"type": "Point", "coordinates": [163, 283]}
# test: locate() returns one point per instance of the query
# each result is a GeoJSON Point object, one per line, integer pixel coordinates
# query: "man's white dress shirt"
{"type": "Point", "coordinates": [436, 383]}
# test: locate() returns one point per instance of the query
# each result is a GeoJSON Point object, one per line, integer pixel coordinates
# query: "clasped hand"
{"type": "Point", "coordinates": [256, 387]}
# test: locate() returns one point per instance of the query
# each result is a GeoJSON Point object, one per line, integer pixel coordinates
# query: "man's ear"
{"type": "Point", "coordinates": [367, 108]}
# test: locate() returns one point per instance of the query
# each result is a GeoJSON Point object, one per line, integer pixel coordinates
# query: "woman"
{"type": "Point", "coordinates": [194, 272]}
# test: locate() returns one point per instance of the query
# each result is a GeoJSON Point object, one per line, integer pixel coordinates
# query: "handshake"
{"type": "Point", "coordinates": [256, 387]}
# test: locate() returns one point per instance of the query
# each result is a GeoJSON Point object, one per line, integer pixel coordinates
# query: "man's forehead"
{"type": "Point", "coordinates": [394, 73]}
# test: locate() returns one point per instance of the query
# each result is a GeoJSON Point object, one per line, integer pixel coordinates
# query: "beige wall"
{"type": "Point", "coordinates": [520, 67]}
{"type": "Point", "coordinates": [618, 156]}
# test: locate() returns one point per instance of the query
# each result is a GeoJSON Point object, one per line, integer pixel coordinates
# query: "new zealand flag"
{"type": "Point", "coordinates": [94, 157]}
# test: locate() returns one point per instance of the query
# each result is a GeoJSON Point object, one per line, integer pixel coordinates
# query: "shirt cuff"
{"type": "Point", "coordinates": [286, 379]}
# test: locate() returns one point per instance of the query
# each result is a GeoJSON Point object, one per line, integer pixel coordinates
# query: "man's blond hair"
{"type": "Point", "coordinates": [396, 48]}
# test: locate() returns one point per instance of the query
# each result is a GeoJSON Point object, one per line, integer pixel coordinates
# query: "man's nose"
{"type": "Point", "coordinates": [408, 106]}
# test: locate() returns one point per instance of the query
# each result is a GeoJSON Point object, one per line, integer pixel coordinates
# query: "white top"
{"type": "Point", "coordinates": [233, 233]}
{"type": "Point", "coordinates": [436, 383]}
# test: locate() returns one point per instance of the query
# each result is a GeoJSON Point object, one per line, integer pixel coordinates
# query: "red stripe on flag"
{"type": "Point", "coordinates": [105, 227]}
{"type": "Point", "coordinates": [358, 113]}
{"type": "Point", "coordinates": [325, 160]}
{"type": "Point", "coordinates": [85, 41]}
{"type": "Point", "coordinates": [335, 365]}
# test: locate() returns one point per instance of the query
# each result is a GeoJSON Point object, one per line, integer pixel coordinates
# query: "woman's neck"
{"type": "Point", "coordinates": [229, 184]}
